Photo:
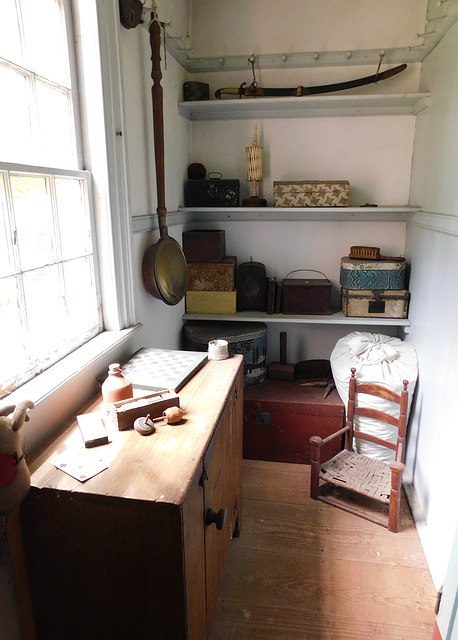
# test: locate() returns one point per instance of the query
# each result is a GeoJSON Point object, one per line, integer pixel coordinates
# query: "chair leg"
{"type": "Point", "coordinates": [395, 496]}
{"type": "Point", "coordinates": [315, 455]}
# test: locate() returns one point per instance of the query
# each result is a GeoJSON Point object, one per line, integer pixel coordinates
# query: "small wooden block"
{"type": "Point", "coordinates": [92, 430]}
{"type": "Point", "coordinates": [125, 412]}
{"type": "Point", "coordinates": [280, 371]}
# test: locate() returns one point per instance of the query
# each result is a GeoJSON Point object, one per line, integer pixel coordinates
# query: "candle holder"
{"type": "Point", "coordinates": [254, 172]}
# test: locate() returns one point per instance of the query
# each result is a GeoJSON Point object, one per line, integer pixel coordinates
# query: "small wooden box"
{"type": "Point", "coordinates": [204, 245]}
{"type": "Point", "coordinates": [216, 302]}
{"type": "Point", "coordinates": [307, 297]}
{"type": "Point", "coordinates": [125, 412]}
{"type": "Point", "coordinates": [360, 303]}
{"type": "Point", "coordinates": [280, 417]}
{"type": "Point", "coordinates": [212, 276]}
{"type": "Point", "coordinates": [312, 193]}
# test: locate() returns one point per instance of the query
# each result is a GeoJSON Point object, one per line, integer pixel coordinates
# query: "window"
{"type": "Point", "coordinates": [49, 302]}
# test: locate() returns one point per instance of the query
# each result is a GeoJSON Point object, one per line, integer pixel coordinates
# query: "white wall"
{"type": "Point", "coordinates": [264, 26]}
{"type": "Point", "coordinates": [161, 323]}
{"type": "Point", "coordinates": [432, 249]}
{"type": "Point", "coordinates": [373, 153]}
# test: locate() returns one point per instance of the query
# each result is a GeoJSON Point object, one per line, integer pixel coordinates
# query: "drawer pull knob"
{"type": "Point", "coordinates": [217, 517]}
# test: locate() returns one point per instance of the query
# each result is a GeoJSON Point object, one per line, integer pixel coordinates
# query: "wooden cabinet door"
{"type": "Point", "coordinates": [218, 505]}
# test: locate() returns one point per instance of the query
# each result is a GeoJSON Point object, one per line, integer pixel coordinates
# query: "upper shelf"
{"type": "Point", "coordinates": [187, 215]}
{"type": "Point", "coordinates": [305, 107]}
{"type": "Point", "coordinates": [300, 214]}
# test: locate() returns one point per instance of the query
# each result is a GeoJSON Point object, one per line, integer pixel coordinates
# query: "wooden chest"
{"type": "Point", "coordinates": [366, 303]}
{"type": "Point", "coordinates": [280, 417]}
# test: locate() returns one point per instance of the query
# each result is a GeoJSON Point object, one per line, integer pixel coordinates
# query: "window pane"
{"type": "Point", "coordinates": [32, 207]}
{"type": "Point", "coordinates": [46, 39]}
{"type": "Point", "coordinates": [6, 247]}
{"type": "Point", "coordinates": [46, 316]}
{"type": "Point", "coordinates": [10, 43]}
{"type": "Point", "coordinates": [13, 357]}
{"type": "Point", "coordinates": [15, 133]}
{"type": "Point", "coordinates": [74, 228]}
{"type": "Point", "coordinates": [48, 298]}
{"type": "Point", "coordinates": [58, 143]}
{"type": "Point", "coordinates": [80, 296]}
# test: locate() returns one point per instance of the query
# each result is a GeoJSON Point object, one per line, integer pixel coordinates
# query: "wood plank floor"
{"type": "Point", "coordinates": [305, 570]}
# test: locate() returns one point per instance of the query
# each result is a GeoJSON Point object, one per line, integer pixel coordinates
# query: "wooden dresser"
{"type": "Point", "coordinates": [129, 553]}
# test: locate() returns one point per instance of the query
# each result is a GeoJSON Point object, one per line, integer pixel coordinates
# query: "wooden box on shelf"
{"type": "Point", "coordinates": [212, 276]}
{"type": "Point", "coordinates": [375, 304]}
{"type": "Point", "coordinates": [204, 245]}
{"type": "Point", "coordinates": [300, 296]}
{"type": "Point", "coordinates": [213, 302]}
{"type": "Point", "coordinates": [312, 193]}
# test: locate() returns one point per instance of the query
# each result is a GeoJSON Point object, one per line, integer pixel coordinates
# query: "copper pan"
{"type": "Point", "coordinates": [164, 268]}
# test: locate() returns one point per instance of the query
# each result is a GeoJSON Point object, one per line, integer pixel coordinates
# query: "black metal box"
{"type": "Point", "coordinates": [212, 193]}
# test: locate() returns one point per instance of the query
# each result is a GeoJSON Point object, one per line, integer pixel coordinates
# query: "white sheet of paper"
{"type": "Point", "coordinates": [79, 464]}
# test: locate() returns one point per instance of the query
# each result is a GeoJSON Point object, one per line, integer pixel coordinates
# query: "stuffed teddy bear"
{"type": "Point", "coordinates": [14, 473]}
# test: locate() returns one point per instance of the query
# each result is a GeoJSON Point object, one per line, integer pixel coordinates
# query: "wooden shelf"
{"type": "Point", "coordinates": [301, 214]}
{"type": "Point", "coordinates": [336, 318]}
{"type": "Point", "coordinates": [306, 106]}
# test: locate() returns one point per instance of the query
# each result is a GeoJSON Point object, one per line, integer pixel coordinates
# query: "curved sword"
{"type": "Point", "coordinates": [253, 91]}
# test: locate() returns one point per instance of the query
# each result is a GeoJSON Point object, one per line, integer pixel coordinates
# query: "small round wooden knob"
{"type": "Point", "coordinates": [173, 414]}
{"type": "Point", "coordinates": [217, 517]}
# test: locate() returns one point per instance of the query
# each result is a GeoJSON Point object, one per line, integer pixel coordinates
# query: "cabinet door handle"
{"type": "Point", "coordinates": [217, 517]}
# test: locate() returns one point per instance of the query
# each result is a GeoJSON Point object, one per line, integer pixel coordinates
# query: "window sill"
{"type": "Point", "coordinates": [63, 388]}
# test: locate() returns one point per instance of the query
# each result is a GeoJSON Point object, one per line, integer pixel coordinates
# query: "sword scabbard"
{"type": "Point", "coordinates": [253, 90]}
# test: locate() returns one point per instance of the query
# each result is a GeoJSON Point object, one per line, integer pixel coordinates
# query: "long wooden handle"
{"type": "Point", "coordinates": [282, 347]}
{"type": "Point", "coordinates": [158, 120]}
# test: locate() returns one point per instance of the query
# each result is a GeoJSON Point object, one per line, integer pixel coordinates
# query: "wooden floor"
{"type": "Point", "coordinates": [302, 569]}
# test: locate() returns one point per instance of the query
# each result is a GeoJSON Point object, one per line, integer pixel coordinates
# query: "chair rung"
{"type": "Point", "coordinates": [367, 515]}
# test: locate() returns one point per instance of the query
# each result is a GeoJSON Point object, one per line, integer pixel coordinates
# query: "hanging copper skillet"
{"type": "Point", "coordinates": [164, 268]}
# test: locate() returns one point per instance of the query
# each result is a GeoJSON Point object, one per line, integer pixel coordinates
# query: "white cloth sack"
{"type": "Point", "coordinates": [382, 360]}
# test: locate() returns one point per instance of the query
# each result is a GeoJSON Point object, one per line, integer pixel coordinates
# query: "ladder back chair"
{"type": "Point", "coordinates": [356, 473]}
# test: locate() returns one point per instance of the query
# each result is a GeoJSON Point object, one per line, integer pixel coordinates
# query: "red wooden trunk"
{"type": "Point", "coordinates": [280, 417]}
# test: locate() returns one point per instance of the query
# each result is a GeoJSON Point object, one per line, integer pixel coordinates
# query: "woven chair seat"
{"type": "Point", "coordinates": [369, 477]}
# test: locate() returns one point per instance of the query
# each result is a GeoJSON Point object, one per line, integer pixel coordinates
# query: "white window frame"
{"type": "Point", "coordinates": [64, 387]}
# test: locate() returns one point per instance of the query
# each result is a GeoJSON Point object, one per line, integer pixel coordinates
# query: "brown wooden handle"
{"type": "Point", "coordinates": [158, 120]}
{"type": "Point", "coordinates": [282, 347]}
{"type": "Point", "coordinates": [216, 517]}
